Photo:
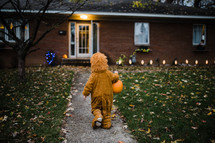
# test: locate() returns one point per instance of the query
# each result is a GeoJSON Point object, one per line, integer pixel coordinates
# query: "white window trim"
{"type": "Point", "coordinates": [17, 34]}
{"type": "Point", "coordinates": [196, 44]}
{"type": "Point", "coordinates": [143, 44]}
{"type": "Point", "coordinates": [97, 36]}
{"type": "Point", "coordinates": [70, 56]}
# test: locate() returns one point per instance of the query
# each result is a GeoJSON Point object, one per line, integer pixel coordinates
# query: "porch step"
{"type": "Point", "coordinates": [76, 62]}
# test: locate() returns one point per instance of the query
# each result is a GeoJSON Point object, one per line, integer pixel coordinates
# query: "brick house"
{"type": "Point", "coordinates": [169, 32]}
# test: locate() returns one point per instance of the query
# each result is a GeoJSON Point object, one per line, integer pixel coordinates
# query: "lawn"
{"type": "Point", "coordinates": [33, 110]}
{"type": "Point", "coordinates": [169, 105]}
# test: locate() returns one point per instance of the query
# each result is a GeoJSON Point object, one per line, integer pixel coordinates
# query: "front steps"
{"type": "Point", "coordinates": [76, 62]}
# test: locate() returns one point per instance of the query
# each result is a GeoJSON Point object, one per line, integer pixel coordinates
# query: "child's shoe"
{"type": "Point", "coordinates": [96, 123]}
{"type": "Point", "coordinates": [99, 122]}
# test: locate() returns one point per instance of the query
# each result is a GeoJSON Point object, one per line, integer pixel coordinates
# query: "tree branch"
{"type": "Point", "coordinates": [38, 21]}
{"type": "Point", "coordinates": [59, 23]}
{"type": "Point", "coordinates": [7, 43]}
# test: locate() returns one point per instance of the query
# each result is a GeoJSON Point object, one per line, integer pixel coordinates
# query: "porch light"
{"type": "Point", "coordinates": [206, 62]}
{"type": "Point", "coordinates": [196, 62]}
{"type": "Point", "coordinates": [83, 16]}
{"type": "Point", "coordinates": [142, 62]}
{"type": "Point", "coordinates": [130, 62]}
{"type": "Point", "coordinates": [164, 62]}
{"type": "Point", "coordinates": [175, 62]}
{"type": "Point", "coordinates": [186, 61]}
{"type": "Point", "coordinates": [150, 62]}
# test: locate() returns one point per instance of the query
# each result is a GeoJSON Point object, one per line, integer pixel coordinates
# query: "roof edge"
{"type": "Point", "coordinates": [151, 15]}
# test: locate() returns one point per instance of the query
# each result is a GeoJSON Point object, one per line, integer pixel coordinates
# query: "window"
{"type": "Point", "coordinates": [199, 34]}
{"type": "Point", "coordinates": [16, 28]}
{"type": "Point", "coordinates": [72, 46]}
{"type": "Point", "coordinates": [95, 37]}
{"type": "Point", "coordinates": [141, 33]}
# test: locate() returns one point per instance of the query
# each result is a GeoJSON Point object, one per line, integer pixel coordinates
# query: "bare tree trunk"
{"type": "Point", "coordinates": [21, 65]}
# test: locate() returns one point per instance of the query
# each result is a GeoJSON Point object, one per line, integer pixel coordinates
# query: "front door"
{"type": "Point", "coordinates": [83, 40]}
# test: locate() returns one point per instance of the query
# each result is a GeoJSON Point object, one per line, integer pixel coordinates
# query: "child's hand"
{"type": "Point", "coordinates": [84, 97]}
{"type": "Point", "coordinates": [115, 72]}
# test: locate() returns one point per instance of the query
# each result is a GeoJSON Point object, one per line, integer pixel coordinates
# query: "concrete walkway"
{"type": "Point", "coordinates": [78, 121]}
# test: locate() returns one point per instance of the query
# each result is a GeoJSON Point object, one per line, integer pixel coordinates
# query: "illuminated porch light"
{"type": "Point", "coordinates": [83, 16]}
{"type": "Point", "coordinates": [206, 62]}
{"type": "Point", "coordinates": [186, 61]}
{"type": "Point", "coordinates": [130, 62]}
{"type": "Point", "coordinates": [196, 62]}
{"type": "Point", "coordinates": [164, 62]}
{"type": "Point", "coordinates": [151, 62]}
{"type": "Point", "coordinates": [142, 62]}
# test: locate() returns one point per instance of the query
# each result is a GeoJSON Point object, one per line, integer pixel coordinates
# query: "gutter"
{"type": "Point", "coordinates": [119, 14]}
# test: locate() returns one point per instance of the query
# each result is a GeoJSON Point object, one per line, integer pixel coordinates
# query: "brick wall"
{"type": "Point", "coordinates": [54, 42]}
{"type": "Point", "coordinates": [167, 41]}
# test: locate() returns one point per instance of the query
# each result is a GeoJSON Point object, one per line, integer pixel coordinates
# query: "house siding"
{"type": "Point", "coordinates": [167, 42]}
{"type": "Point", "coordinates": [52, 42]}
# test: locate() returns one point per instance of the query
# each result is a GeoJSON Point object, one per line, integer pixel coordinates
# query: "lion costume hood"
{"type": "Point", "coordinates": [99, 62]}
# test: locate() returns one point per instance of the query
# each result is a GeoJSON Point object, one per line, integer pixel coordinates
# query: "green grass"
{"type": "Point", "coordinates": [33, 110]}
{"type": "Point", "coordinates": [169, 105]}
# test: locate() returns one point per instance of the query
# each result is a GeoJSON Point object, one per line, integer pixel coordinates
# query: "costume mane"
{"type": "Point", "coordinates": [98, 62]}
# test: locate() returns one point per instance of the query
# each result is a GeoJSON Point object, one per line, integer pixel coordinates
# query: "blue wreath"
{"type": "Point", "coordinates": [50, 56]}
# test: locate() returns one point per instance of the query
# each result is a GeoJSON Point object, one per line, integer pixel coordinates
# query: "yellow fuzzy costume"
{"type": "Point", "coordinates": [99, 85]}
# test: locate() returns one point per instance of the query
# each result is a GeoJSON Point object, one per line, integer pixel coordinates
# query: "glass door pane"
{"type": "Point", "coordinates": [83, 39]}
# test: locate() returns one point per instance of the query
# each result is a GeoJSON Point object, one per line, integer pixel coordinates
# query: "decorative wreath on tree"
{"type": "Point", "coordinates": [50, 57]}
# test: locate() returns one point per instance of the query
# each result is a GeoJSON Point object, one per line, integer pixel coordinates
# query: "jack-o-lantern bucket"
{"type": "Point", "coordinates": [117, 87]}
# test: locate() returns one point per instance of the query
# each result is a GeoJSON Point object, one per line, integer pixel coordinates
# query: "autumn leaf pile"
{"type": "Point", "coordinates": [171, 105]}
{"type": "Point", "coordinates": [33, 110]}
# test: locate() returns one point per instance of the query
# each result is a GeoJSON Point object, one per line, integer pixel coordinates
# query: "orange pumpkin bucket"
{"type": "Point", "coordinates": [117, 87]}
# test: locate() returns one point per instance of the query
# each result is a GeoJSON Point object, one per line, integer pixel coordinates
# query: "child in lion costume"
{"type": "Point", "coordinates": [99, 85]}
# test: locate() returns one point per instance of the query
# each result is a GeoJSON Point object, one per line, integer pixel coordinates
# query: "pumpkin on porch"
{"type": "Point", "coordinates": [117, 87]}
{"type": "Point", "coordinates": [65, 56]}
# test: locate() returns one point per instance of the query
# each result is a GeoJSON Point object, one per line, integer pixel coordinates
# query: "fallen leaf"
{"type": "Point", "coordinates": [113, 116]}
{"type": "Point", "coordinates": [141, 130]}
{"type": "Point", "coordinates": [195, 128]}
{"type": "Point", "coordinates": [148, 131]}
{"type": "Point", "coordinates": [179, 140]}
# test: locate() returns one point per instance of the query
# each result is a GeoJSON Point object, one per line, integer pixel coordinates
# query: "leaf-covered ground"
{"type": "Point", "coordinates": [169, 105]}
{"type": "Point", "coordinates": [33, 110]}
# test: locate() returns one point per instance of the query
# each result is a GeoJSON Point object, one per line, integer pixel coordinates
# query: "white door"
{"type": "Point", "coordinates": [83, 40]}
